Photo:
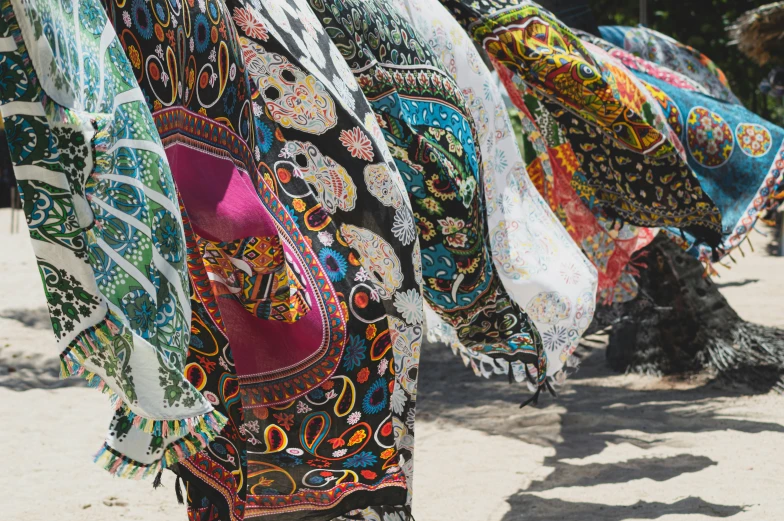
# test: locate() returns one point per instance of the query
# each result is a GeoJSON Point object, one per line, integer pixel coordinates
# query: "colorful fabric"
{"type": "Point", "coordinates": [537, 261]}
{"type": "Point", "coordinates": [661, 49]}
{"type": "Point", "coordinates": [737, 156]}
{"type": "Point", "coordinates": [555, 170]}
{"type": "Point", "coordinates": [307, 301]}
{"type": "Point", "coordinates": [102, 211]}
{"type": "Point", "coordinates": [636, 171]}
{"type": "Point", "coordinates": [430, 134]}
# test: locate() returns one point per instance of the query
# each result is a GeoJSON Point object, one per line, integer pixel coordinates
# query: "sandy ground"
{"type": "Point", "coordinates": [611, 447]}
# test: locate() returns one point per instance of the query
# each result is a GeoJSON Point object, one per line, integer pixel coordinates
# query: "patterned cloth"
{"type": "Point", "coordinates": [554, 166]}
{"type": "Point", "coordinates": [632, 163]}
{"type": "Point", "coordinates": [737, 156]}
{"type": "Point", "coordinates": [106, 229]}
{"type": "Point", "coordinates": [538, 262]}
{"type": "Point", "coordinates": [430, 133]}
{"type": "Point", "coordinates": [660, 49]}
{"type": "Point", "coordinates": [303, 256]}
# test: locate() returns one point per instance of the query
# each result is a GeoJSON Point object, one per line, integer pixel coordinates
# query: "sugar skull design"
{"type": "Point", "coordinates": [548, 307]}
{"type": "Point", "coordinates": [294, 98]}
{"type": "Point", "coordinates": [379, 255]}
{"type": "Point", "coordinates": [407, 340]}
{"type": "Point", "coordinates": [333, 187]}
{"type": "Point", "coordinates": [381, 185]}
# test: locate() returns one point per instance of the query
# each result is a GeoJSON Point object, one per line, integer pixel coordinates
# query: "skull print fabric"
{"type": "Point", "coordinates": [307, 305]}
{"type": "Point", "coordinates": [430, 134]}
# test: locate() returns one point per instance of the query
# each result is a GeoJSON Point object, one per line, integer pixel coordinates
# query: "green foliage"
{"type": "Point", "coordinates": [701, 24]}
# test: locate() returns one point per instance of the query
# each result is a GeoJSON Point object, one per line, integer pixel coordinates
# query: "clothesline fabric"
{"type": "Point", "coordinates": [641, 175]}
{"type": "Point", "coordinates": [244, 211]}
{"type": "Point", "coordinates": [102, 211]}
{"type": "Point", "coordinates": [433, 140]}
{"type": "Point", "coordinates": [318, 374]}
{"type": "Point", "coordinates": [537, 261]}
{"type": "Point", "coordinates": [556, 169]}
{"type": "Point", "coordinates": [737, 156]}
{"type": "Point", "coordinates": [661, 49]}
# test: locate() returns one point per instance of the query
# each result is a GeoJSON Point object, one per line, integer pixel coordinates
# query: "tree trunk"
{"type": "Point", "coordinates": [681, 323]}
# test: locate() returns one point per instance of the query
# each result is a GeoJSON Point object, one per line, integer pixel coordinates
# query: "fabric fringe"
{"type": "Point", "coordinates": [198, 427]}
{"type": "Point", "coordinates": [196, 434]}
{"type": "Point", "coordinates": [439, 331]}
{"type": "Point", "coordinates": [88, 344]}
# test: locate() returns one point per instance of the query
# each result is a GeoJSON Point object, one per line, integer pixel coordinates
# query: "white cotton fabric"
{"type": "Point", "coordinates": [540, 265]}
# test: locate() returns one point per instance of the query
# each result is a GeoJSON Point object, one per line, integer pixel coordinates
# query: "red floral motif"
{"type": "Point", "coordinates": [285, 420]}
{"type": "Point", "coordinates": [247, 21]}
{"type": "Point", "coordinates": [357, 143]}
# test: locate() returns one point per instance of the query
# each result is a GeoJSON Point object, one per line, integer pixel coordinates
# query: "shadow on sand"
{"type": "Point", "coordinates": [585, 418]}
{"type": "Point", "coordinates": [21, 371]}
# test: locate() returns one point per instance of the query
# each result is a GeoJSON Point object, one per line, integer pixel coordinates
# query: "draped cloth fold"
{"type": "Point", "coordinates": [302, 254]}
{"type": "Point", "coordinates": [640, 174]}
{"type": "Point", "coordinates": [538, 262]}
{"type": "Point", "coordinates": [430, 133]}
{"type": "Point", "coordinates": [106, 228]}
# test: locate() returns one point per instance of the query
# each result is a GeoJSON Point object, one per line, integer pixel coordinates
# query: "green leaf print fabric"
{"type": "Point", "coordinates": [104, 219]}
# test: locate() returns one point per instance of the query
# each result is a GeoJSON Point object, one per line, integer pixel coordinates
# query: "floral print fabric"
{"type": "Point", "coordinates": [658, 48]}
{"type": "Point", "coordinates": [307, 302]}
{"type": "Point", "coordinates": [430, 134]}
{"type": "Point", "coordinates": [537, 261]}
{"type": "Point", "coordinates": [106, 228]}
{"type": "Point", "coordinates": [641, 176]}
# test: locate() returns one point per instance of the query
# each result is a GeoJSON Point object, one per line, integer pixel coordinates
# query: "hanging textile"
{"type": "Point", "coordinates": [633, 166]}
{"type": "Point", "coordinates": [554, 166]}
{"type": "Point", "coordinates": [431, 136]}
{"type": "Point", "coordinates": [537, 261]}
{"type": "Point", "coordinates": [737, 156]}
{"type": "Point", "coordinates": [307, 301]}
{"type": "Point", "coordinates": [106, 229]}
{"type": "Point", "coordinates": [661, 49]}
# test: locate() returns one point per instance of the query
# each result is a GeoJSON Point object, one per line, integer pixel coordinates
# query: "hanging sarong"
{"type": "Point", "coordinates": [538, 262]}
{"type": "Point", "coordinates": [633, 166]}
{"type": "Point", "coordinates": [737, 156]}
{"type": "Point", "coordinates": [553, 166]}
{"type": "Point", "coordinates": [430, 133]}
{"type": "Point", "coordinates": [303, 257]}
{"type": "Point", "coordinates": [107, 233]}
{"type": "Point", "coordinates": [661, 49]}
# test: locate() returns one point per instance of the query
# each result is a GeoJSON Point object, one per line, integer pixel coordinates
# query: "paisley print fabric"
{"type": "Point", "coordinates": [655, 47]}
{"type": "Point", "coordinates": [537, 261]}
{"type": "Point", "coordinates": [102, 211]}
{"type": "Point", "coordinates": [736, 155]}
{"type": "Point", "coordinates": [307, 308]}
{"type": "Point", "coordinates": [555, 170]}
{"type": "Point", "coordinates": [430, 134]}
{"type": "Point", "coordinates": [641, 175]}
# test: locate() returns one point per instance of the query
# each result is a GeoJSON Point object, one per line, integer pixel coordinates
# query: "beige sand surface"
{"type": "Point", "coordinates": [611, 447]}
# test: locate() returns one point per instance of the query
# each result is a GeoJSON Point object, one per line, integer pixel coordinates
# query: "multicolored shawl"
{"type": "Point", "coordinates": [307, 300]}
{"type": "Point", "coordinates": [430, 133]}
{"type": "Point", "coordinates": [554, 168]}
{"type": "Point", "coordinates": [661, 49]}
{"type": "Point", "coordinates": [106, 229]}
{"type": "Point", "coordinates": [634, 169]}
{"type": "Point", "coordinates": [538, 262]}
{"type": "Point", "coordinates": [737, 156]}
